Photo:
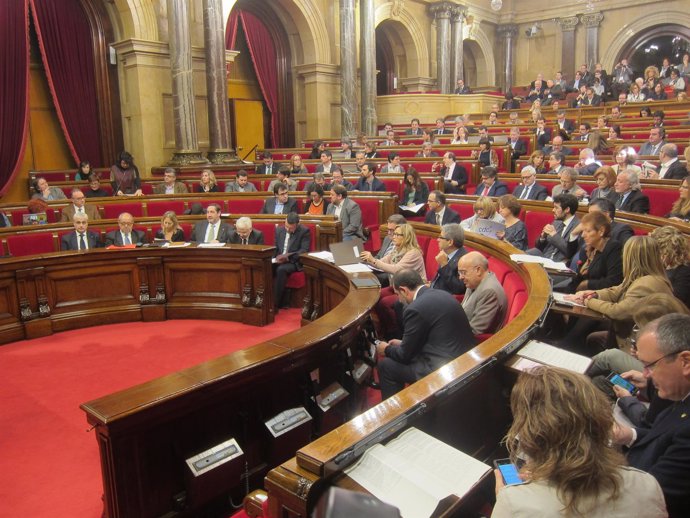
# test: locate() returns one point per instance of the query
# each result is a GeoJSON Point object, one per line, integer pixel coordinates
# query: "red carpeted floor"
{"type": "Point", "coordinates": [49, 463]}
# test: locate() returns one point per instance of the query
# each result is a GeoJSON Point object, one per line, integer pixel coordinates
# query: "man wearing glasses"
{"type": "Point", "coordinates": [451, 242]}
{"type": "Point", "coordinates": [663, 449]}
{"type": "Point", "coordinates": [79, 206]}
{"type": "Point", "coordinates": [485, 300]}
{"type": "Point", "coordinates": [126, 235]}
{"type": "Point", "coordinates": [281, 203]}
{"type": "Point", "coordinates": [438, 213]}
{"type": "Point", "coordinates": [529, 189]}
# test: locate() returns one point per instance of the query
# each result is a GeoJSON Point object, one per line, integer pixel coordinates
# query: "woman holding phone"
{"type": "Point", "coordinates": [562, 430]}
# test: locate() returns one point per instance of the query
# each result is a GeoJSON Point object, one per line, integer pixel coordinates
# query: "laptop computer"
{"type": "Point", "coordinates": [40, 218]}
{"type": "Point", "coordinates": [346, 252]}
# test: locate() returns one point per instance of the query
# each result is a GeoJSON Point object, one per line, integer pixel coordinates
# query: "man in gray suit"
{"type": "Point", "coordinates": [485, 301]}
{"type": "Point", "coordinates": [212, 230]}
{"type": "Point", "coordinates": [241, 183]}
{"type": "Point", "coordinates": [436, 332]}
{"type": "Point", "coordinates": [347, 211]}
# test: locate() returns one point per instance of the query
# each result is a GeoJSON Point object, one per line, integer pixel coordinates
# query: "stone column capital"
{"type": "Point", "coordinates": [457, 13]}
{"type": "Point", "coordinates": [591, 19]}
{"type": "Point", "coordinates": [508, 30]}
{"type": "Point", "coordinates": [441, 10]}
{"type": "Point", "coordinates": [569, 23]}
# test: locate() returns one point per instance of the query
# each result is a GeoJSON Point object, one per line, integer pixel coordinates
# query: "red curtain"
{"type": "Point", "coordinates": [264, 59]}
{"type": "Point", "coordinates": [14, 84]}
{"type": "Point", "coordinates": [67, 51]}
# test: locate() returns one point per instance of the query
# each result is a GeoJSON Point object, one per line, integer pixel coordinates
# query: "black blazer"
{"type": "Point", "coordinates": [459, 175]}
{"type": "Point", "coordinates": [299, 243]}
{"type": "Point", "coordinates": [447, 276]}
{"type": "Point", "coordinates": [449, 216]}
{"type": "Point", "coordinates": [543, 139]}
{"type": "Point", "coordinates": [256, 237]}
{"type": "Point", "coordinates": [497, 189]}
{"type": "Point", "coordinates": [69, 241]}
{"type": "Point", "coordinates": [420, 195]}
{"type": "Point", "coordinates": [177, 236]}
{"type": "Point", "coordinates": [275, 167]}
{"type": "Point", "coordinates": [605, 270]}
{"type": "Point", "coordinates": [115, 238]}
{"type": "Point", "coordinates": [270, 206]}
{"type": "Point", "coordinates": [677, 171]}
{"type": "Point", "coordinates": [635, 202]}
{"type": "Point", "coordinates": [536, 192]}
{"type": "Point", "coordinates": [519, 149]}
{"type": "Point", "coordinates": [436, 331]}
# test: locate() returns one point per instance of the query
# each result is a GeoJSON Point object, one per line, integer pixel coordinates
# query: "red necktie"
{"type": "Point", "coordinates": [485, 192]}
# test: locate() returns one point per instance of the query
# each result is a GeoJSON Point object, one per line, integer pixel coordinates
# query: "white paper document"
{"type": "Point", "coordinates": [413, 208]}
{"type": "Point", "coordinates": [559, 298]}
{"type": "Point", "coordinates": [210, 245]}
{"type": "Point", "coordinates": [325, 255]}
{"type": "Point", "coordinates": [487, 227]}
{"type": "Point", "coordinates": [355, 268]}
{"type": "Point", "coordinates": [556, 357]}
{"type": "Point", "coordinates": [534, 259]}
{"type": "Point", "coordinates": [415, 471]}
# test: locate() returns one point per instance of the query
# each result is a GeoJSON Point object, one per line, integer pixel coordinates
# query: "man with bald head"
{"type": "Point", "coordinates": [126, 235]}
{"type": "Point", "coordinates": [485, 300]}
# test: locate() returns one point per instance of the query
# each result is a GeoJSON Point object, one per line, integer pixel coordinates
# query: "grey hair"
{"type": "Point", "coordinates": [243, 222]}
{"type": "Point", "coordinates": [455, 233]}
{"type": "Point", "coordinates": [672, 333]}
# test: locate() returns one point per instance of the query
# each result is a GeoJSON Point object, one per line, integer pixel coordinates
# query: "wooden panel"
{"type": "Point", "coordinates": [248, 135]}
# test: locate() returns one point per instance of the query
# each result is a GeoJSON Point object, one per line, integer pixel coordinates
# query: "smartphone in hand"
{"type": "Point", "coordinates": [617, 379]}
{"type": "Point", "coordinates": [509, 472]}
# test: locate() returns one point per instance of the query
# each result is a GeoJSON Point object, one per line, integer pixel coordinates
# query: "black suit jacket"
{"type": "Point", "coordinates": [201, 228]}
{"type": "Point", "coordinates": [497, 189]}
{"type": "Point", "coordinates": [677, 171]}
{"type": "Point", "coordinates": [543, 139]}
{"type": "Point", "coordinates": [663, 450]}
{"type": "Point", "coordinates": [449, 216]}
{"type": "Point", "coordinates": [568, 126]}
{"type": "Point", "coordinates": [447, 276]}
{"type": "Point", "coordinates": [299, 243]}
{"type": "Point", "coordinates": [536, 192]}
{"type": "Point", "coordinates": [519, 149]}
{"type": "Point", "coordinates": [275, 167]}
{"type": "Point", "coordinates": [255, 238]}
{"type": "Point", "coordinates": [621, 232]}
{"type": "Point", "coordinates": [605, 270]}
{"type": "Point", "coordinates": [595, 101]}
{"type": "Point", "coordinates": [635, 202]}
{"type": "Point", "coordinates": [459, 175]}
{"type": "Point", "coordinates": [69, 241]}
{"type": "Point", "coordinates": [376, 185]}
{"type": "Point", "coordinates": [270, 206]}
{"type": "Point", "coordinates": [436, 332]}
{"type": "Point", "coordinates": [115, 238]}
{"type": "Point", "coordinates": [557, 247]}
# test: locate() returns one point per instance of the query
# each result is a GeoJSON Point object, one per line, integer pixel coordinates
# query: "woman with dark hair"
{"type": "Point", "coordinates": [485, 155]}
{"type": "Point", "coordinates": [83, 172]}
{"type": "Point", "coordinates": [560, 437]}
{"type": "Point", "coordinates": [415, 191]}
{"type": "Point", "coordinates": [317, 205]}
{"type": "Point", "coordinates": [605, 177]}
{"type": "Point", "coordinates": [516, 231]}
{"type": "Point", "coordinates": [615, 132]}
{"type": "Point", "coordinates": [657, 93]}
{"type": "Point", "coordinates": [124, 176]}
{"type": "Point", "coordinates": [393, 165]}
{"type": "Point", "coordinates": [625, 157]}
{"type": "Point", "coordinates": [45, 192]}
{"type": "Point", "coordinates": [316, 149]}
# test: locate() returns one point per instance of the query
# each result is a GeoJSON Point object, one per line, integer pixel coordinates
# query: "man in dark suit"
{"type": "Point", "coordinates": [212, 230]}
{"type": "Point", "coordinates": [529, 189]}
{"type": "Point", "coordinates": [126, 235]}
{"type": "Point", "coordinates": [269, 166]}
{"type": "Point", "coordinates": [490, 184]}
{"type": "Point", "coordinates": [671, 168]}
{"type": "Point", "coordinates": [414, 128]}
{"type": "Point", "coordinates": [590, 98]}
{"type": "Point", "coordinates": [436, 332]}
{"type": "Point", "coordinates": [438, 213]}
{"type": "Point", "coordinates": [621, 232]}
{"type": "Point", "coordinates": [244, 234]}
{"type": "Point", "coordinates": [662, 449]}
{"type": "Point", "coordinates": [451, 242]}
{"type": "Point", "coordinates": [554, 238]}
{"type": "Point", "coordinates": [461, 88]}
{"type": "Point", "coordinates": [517, 146]}
{"type": "Point", "coordinates": [454, 175]}
{"type": "Point", "coordinates": [564, 124]}
{"type": "Point", "coordinates": [291, 240]}
{"type": "Point", "coordinates": [542, 133]}
{"type": "Point", "coordinates": [441, 128]}
{"type": "Point", "coordinates": [81, 238]}
{"type": "Point", "coordinates": [368, 181]}
{"type": "Point", "coordinates": [557, 147]}
{"type": "Point", "coordinates": [281, 203]}
{"type": "Point", "coordinates": [630, 197]}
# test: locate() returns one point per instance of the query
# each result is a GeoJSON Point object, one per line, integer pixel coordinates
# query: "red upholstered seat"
{"type": "Point", "coordinates": [16, 216]}
{"type": "Point", "coordinates": [245, 206]}
{"type": "Point", "coordinates": [187, 229]}
{"type": "Point", "coordinates": [147, 188]}
{"type": "Point", "coordinates": [296, 281]}
{"type": "Point", "coordinates": [660, 200]}
{"type": "Point", "coordinates": [370, 221]}
{"type": "Point", "coordinates": [499, 268]}
{"type": "Point", "coordinates": [430, 263]}
{"type": "Point", "coordinates": [206, 203]}
{"type": "Point", "coordinates": [114, 210]}
{"type": "Point", "coordinates": [514, 286]}
{"type": "Point", "coordinates": [268, 229]}
{"type": "Point", "coordinates": [466, 210]}
{"type": "Point", "coordinates": [158, 208]}
{"type": "Point", "coordinates": [535, 221]}
{"type": "Point", "coordinates": [30, 244]}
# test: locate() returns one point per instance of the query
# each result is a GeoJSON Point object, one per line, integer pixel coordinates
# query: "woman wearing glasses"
{"type": "Point", "coordinates": [406, 254]}
{"type": "Point", "coordinates": [643, 275]}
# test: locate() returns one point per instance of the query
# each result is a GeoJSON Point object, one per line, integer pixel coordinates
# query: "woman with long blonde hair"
{"type": "Point", "coordinates": [562, 430]}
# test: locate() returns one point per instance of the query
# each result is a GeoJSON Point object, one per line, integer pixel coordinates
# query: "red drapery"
{"type": "Point", "coordinates": [67, 52]}
{"type": "Point", "coordinates": [263, 53]}
{"type": "Point", "coordinates": [14, 85]}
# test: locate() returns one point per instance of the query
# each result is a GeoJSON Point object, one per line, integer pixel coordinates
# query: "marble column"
{"type": "Point", "coordinates": [184, 111]}
{"type": "Point", "coordinates": [591, 21]}
{"type": "Point", "coordinates": [568, 45]}
{"type": "Point", "coordinates": [348, 67]}
{"type": "Point", "coordinates": [441, 13]}
{"type": "Point", "coordinates": [508, 32]}
{"type": "Point", "coordinates": [220, 149]}
{"type": "Point", "coordinates": [456, 50]}
{"type": "Point", "coordinates": [367, 63]}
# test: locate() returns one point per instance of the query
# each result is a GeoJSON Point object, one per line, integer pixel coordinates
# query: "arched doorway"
{"type": "Point", "coordinates": [396, 56]}
{"type": "Point", "coordinates": [656, 43]}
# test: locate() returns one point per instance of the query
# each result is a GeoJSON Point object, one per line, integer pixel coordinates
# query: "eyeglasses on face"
{"type": "Point", "coordinates": [397, 234]}
{"type": "Point", "coordinates": [650, 366]}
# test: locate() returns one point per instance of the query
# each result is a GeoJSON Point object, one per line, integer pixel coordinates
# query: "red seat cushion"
{"type": "Point", "coordinates": [113, 211]}
{"type": "Point", "coordinates": [158, 208]}
{"type": "Point", "coordinates": [535, 221]}
{"type": "Point", "coordinates": [296, 280]}
{"type": "Point", "coordinates": [430, 263]}
{"type": "Point", "coordinates": [370, 221]}
{"type": "Point", "coordinates": [514, 286]}
{"type": "Point", "coordinates": [499, 268]}
{"type": "Point", "coordinates": [30, 244]}
{"type": "Point", "coordinates": [252, 206]}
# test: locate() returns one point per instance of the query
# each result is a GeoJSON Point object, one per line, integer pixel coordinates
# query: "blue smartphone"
{"type": "Point", "coordinates": [616, 379]}
{"type": "Point", "coordinates": [509, 472]}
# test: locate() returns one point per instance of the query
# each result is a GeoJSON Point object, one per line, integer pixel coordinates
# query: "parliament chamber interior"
{"type": "Point", "coordinates": [539, 149]}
